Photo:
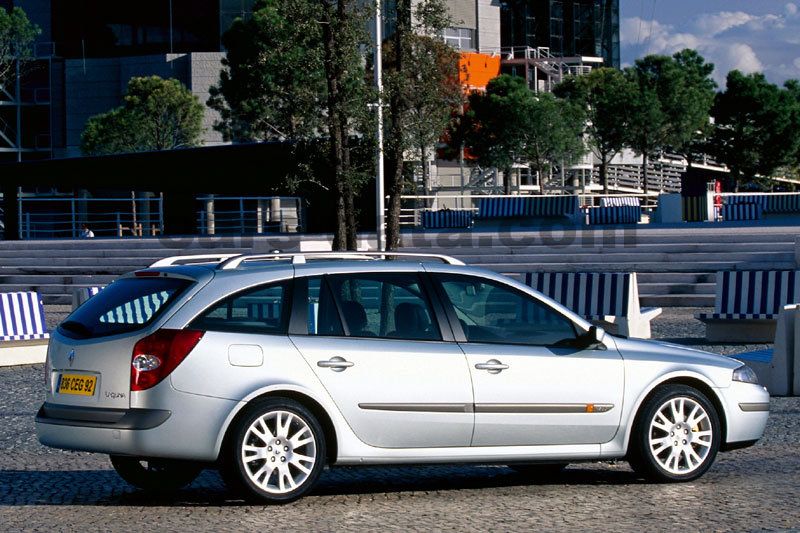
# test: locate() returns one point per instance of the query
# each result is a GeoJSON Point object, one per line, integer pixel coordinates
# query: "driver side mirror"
{"type": "Point", "coordinates": [597, 334]}
{"type": "Point", "coordinates": [592, 339]}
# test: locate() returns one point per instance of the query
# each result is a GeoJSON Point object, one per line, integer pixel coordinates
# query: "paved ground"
{"type": "Point", "coordinates": [753, 489]}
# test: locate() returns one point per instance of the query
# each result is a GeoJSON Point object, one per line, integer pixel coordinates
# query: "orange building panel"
{"type": "Point", "coordinates": [475, 70]}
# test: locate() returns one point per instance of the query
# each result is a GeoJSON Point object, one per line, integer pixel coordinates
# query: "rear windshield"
{"type": "Point", "coordinates": [126, 305]}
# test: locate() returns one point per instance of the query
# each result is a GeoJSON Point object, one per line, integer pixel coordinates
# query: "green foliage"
{"type": "Point", "coordinates": [498, 121]}
{"type": "Point", "coordinates": [273, 82]}
{"type": "Point", "coordinates": [17, 34]}
{"type": "Point", "coordinates": [691, 124]}
{"type": "Point", "coordinates": [757, 126]}
{"type": "Point", "coordinates": [157, 114]}
{"type": "Point", "coordinates": [605, 95]}
{"type": "Point", "coordinates": [510, 124]}
{"type": "Point", "coordinates": [554, 136]}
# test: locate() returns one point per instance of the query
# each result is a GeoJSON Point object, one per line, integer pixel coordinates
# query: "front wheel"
{"type": "Point", "coordinates": [155, 475]}
{"type": "Point", "coordinates": [277, 451]}
{"type": "Point", "coordinates": [677, 436]}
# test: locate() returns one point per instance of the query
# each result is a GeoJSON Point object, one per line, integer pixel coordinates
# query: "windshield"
{"type": "Point", "coordinates": [126, 305]}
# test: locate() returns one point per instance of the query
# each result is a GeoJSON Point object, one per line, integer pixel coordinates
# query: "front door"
{"type": "Point", "coordinates": [376, 345]}
{"type": "Point", "coordinates": [532, 385]}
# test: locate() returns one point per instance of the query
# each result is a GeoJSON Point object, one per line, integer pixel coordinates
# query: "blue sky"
{"type": "Point", "coordinates": [750, 35]}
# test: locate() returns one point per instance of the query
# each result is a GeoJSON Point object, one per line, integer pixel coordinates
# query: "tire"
{"type": "Point", "coordinates": [276, 452]}
{"type": "Point", "coordinates": [676, 436]}
{"type": "Point", "coordinates": [155, 475]}
{"type": "Point", "coordinates": [539, 470]}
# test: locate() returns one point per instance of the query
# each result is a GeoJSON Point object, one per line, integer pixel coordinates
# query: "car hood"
{"type": "Point", "coordinates": [672, 353]}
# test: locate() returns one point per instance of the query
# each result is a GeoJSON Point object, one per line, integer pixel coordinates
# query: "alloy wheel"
{"type": "Point", "coordinates": [279, 452]}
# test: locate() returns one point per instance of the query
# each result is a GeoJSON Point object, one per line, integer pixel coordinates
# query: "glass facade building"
{"type": "Point", "coordinates": [567, 27]}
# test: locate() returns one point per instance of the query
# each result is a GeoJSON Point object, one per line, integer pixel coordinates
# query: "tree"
{"type": "Point", "coordinates": [272, 86]}
{"type": "Point", "coordinates": [420, 80]}
{"type": "Point", "coordinates": [691, 119]}
{"type": "Point", "coordinates": [605, 94]}
{"type": "Point", "coordinates": [436, 93]}
{"type": "Point", "coordinates": [17, 34]}
{"type": "Point", "coordinates": [511, 124]}
{"type": "Point", "coordinates": [554, 133]}
{"type": "Point", "coordinates": [157, 114]}
{"type": "Point", "coordinates": [654, 107]}
{"type": "Point", "coordinates": [295, 72]}
{"type": "Point", "coordinates": [498, 124]}
{"type": "Point", "coordinates": [757, 127]}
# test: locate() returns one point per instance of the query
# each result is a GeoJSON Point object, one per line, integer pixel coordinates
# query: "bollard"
{"type": "Point", "coordinates": [779, 375]}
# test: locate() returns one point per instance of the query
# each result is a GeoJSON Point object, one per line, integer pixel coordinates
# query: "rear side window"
{"type": "Point", "coordinates": [126, 305]}
{"type": "Point", "coordinates": [263, 310]}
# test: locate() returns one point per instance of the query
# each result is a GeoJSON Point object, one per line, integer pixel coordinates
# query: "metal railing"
{"type": "Point", "coordinates": [243, 215]}
{"type": "Point", "coordinates": [413, 205]}
{"type": "Point", "coordinates": [54, 217]}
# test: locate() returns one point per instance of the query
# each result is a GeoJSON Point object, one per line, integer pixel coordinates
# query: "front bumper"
{"type": "Point", "coordinates": [747, 411]}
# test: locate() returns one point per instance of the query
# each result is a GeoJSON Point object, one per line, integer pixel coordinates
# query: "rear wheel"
{"type": "Point", "coordinates": [155, 475]}
{"type": "Point", "coordinates": [277, 451]}
{"type": "Point", "coordinates": [539, 470]}
{"type": "Point", "coordinates": [677, 436]}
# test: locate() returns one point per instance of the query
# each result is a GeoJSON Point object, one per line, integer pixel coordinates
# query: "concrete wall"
{"type": "Point", "coordinates": [98, 85]}
{"type": "Point", "coordinates": [488, 25]}
{"type": "Point", "coordinates": [463, 13]}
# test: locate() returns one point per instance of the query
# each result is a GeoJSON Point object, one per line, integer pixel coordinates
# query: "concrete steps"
{"type": "Point", "coordinates": [676, 266]}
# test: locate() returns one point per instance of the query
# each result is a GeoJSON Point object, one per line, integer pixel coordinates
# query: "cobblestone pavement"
{"type": "Point", "coordinates": [756, 488]}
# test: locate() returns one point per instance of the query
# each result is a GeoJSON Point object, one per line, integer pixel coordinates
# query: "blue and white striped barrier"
{"type": "Point", "coordinates": [620, 214]}
{"type": "Point", "coordinates": [753, 294]}
{"type": "Point", "coordinates": [770, 203]}
{"type": "Point", "coordinates": [528, 206]}
{"type": "Point", "coordinates": [447, 218]}
{"type": "Point", "coordinates": [619, 201]}
{"type": "Point", "coordinates": [612, 297]}
{"type": "Point", "coordinates": [742, 211]}
{"type": "Point", "coordinates": [22, 317]}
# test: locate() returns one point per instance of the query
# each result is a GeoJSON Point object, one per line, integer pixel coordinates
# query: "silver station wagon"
{"type": "Point", "coordinates": [272, 367]}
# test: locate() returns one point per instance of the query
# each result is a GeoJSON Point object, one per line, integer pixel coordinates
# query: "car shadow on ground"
{"type": "Point", "coordinates": [106, 488]}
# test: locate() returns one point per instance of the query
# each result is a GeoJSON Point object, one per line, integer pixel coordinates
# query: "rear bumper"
{"type": "Point", "coordinates": [190, 430]}
{"type": "Point", "coordinates": [95, 417]}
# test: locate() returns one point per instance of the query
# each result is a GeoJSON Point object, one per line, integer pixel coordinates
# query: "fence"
{"type": "Point", "coordinates": [413, 206]}
{"type": "Point", "coordinates": [63, 217]}
{"type": "Point", "coordinates": [244, 215]}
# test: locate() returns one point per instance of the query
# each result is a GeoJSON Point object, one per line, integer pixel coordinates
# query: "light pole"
{"type": "Point", "coordinates": [380, 232]}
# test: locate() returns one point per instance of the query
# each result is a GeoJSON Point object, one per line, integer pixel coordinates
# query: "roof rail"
{"type": "Point", "coordinates": [202, 259]}
{"type": "Point", "coordinates": [302, 257]}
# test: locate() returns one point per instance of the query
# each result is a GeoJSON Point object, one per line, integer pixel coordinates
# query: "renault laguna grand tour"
{"type": "Point", "coordinates": [272, 367]}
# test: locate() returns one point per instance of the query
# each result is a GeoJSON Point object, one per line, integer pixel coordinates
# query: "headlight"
{"type": "Point", "coordinates": [745, 374]}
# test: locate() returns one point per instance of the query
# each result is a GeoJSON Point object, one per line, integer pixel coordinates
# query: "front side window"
{"type": "Point", "coordinates": [392, 306]}
{"type": "Point", "coordinates": [491, 312]}
{"type": "Point", "coordinates": [263, 310]}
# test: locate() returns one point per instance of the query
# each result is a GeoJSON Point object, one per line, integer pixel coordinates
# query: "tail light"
{"type": "Point", "coordinates": [156, 355]}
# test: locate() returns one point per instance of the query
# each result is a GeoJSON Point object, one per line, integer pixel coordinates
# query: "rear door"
{"type": "Point", "coordinates": [89, 356]}
{"type": "Point", "coordinates": [377, 345]}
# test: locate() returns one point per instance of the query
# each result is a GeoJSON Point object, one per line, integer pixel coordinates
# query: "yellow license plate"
{"type": "Point", "coordinates": [77, 384]}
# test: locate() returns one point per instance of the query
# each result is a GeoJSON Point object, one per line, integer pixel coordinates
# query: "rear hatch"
{"type": "Point", "coordinates": [89, 357]}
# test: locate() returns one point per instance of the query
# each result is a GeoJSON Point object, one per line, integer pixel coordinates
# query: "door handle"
{"type": "Point", "coordinates": [492, 365]}
{"type": "Point", "coordinates": [337, 364]}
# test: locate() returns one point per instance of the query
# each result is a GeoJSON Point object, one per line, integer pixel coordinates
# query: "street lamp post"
{"type": "Point", "coordinates": [380, 232]}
